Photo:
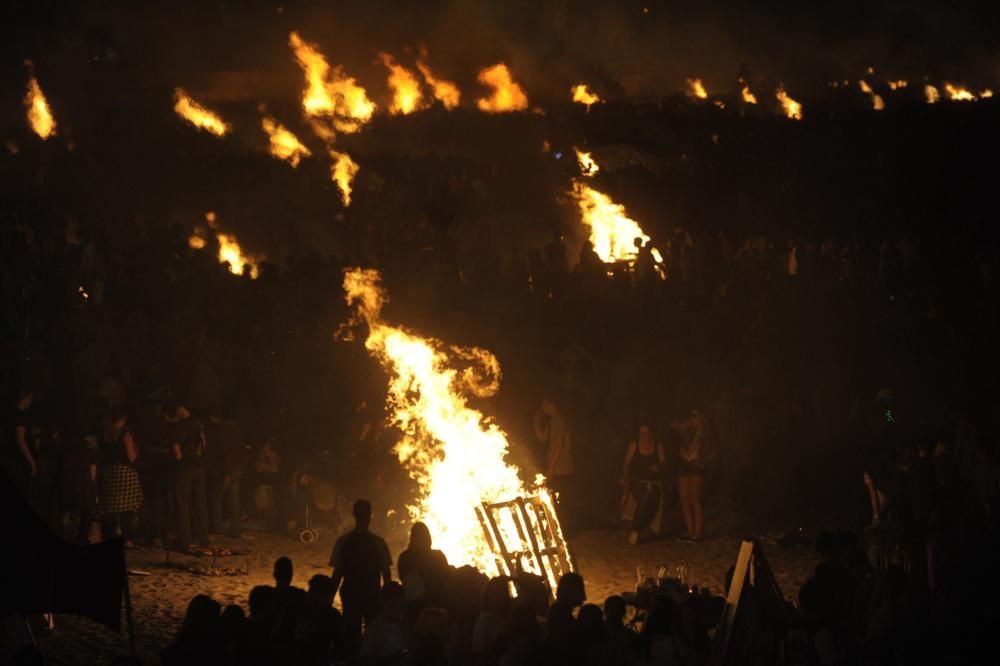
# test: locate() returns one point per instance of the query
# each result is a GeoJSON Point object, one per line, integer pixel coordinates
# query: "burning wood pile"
{"type": "Point", "coordinates": [475, 504]}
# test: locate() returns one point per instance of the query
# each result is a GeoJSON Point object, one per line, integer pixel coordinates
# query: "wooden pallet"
{"type": "Point", "coordinates": [525, 537]}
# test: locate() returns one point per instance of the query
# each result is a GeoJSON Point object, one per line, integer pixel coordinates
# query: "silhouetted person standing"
{"type": "Point", "coordinates": [187, 442]}
{"type": "Point", "coordinates": [361, 566]}
{"type": "Point", "coordinates": [289, 603]}
{"type": "Point", "coordinates": [16, 459]}
{"type": "Point", "coordinates": [552, 429]}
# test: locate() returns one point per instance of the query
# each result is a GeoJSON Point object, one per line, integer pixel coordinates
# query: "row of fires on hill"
{"type": "Point", "coordinates": [478, 508]}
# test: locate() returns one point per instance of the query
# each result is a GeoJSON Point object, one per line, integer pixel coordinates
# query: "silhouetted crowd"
{"type": "Point", "coordinates": [436, 614]}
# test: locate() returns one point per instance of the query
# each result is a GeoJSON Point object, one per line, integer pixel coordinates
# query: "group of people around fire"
{"type": "Point", "coordinates": [435, 614]}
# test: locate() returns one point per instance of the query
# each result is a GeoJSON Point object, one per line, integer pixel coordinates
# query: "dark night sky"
{"type": "Point", "coordinates": [546, 41]}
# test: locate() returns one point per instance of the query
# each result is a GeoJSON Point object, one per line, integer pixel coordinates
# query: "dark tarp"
{"type": "Point", "coordinates": [41, 573]}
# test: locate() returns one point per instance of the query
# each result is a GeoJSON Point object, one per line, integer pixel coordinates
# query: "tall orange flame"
{"type": "Point", "coordinates": [39, 114]}
{"type": "Point", "coordinates": [748, 96]}
{"type": "Point", "coordinates": [507, 95]}
{"type": "Point", "coordinates": [317, 99]}
{"type": "Point", "coordinates": [445, 91]}
{"type": "Point", "coordinates": [329, 92]}
{"type": "Point", "coordinates": [406, 94]}
{"type": "Point", "coordinates": [792, 108]}
{"type": "Point", "coordinates": [283, 144]}
{"type": "Point", "coordinates": [197, 115]}
{"type": "Point", "coordinates": [583, 95]}
{"type": "Point", "coordinates": [696, 89]}
{"type": "Point", "coordinates": [342, 172]}
{"type": "Point", "coordinates": [453, 452]}
{"type": "Point", "coordinates": [931, 94]}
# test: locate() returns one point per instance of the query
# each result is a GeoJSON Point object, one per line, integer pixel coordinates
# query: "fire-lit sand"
{"type": "Point", "coordinates": [606, 561]}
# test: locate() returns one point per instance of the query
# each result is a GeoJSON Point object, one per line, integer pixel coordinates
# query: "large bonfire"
{"type": "Point", "coordinates": [453, 452]}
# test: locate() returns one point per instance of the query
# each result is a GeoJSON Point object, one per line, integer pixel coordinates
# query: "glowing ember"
{"type": "Point", "coordinates": [507, 94]}
{"type": "Point", "coordinates": [748, 96]}
{"type": "Point", "coordinates": [198, 115]}
{"type": "Point", "coordinates": [342, 172]}
{"type": "Point", "coordinates": [329, 92]}
{"type": "Point", "coordinates": [39, 114]}
{"type": "Point", "coordinates": [792, 108]}
{"type": "Point", "coordinates": [931, 94]}
{"type": "Point", "coordinates": [696, 89]}
{"type": "Point", "coordinates": [453, 452]}
{"type": "Point", "coordinates": [588, 167]}
{"type": "Point", "coordinates": [959, 94]}
{"type": "Point", "coordinates": [583, 95]}
{"type": "Point", "coordinates": [406, 94]}
{"type": "Point", "coordinates": [283, 144]}
{"type": "Point", "coordinates": [445, 92]}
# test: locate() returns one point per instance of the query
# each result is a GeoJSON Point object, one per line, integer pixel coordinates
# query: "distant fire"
{"type": "Point", "coordinates": [931, 94]}
{"type": "Point", "coordinates": [283, 144]}
{"type": "Point", "coordinates": [612, 231]}
{"type": "Point", "coordinates": [877, 102]}
{"type": "Point", "coordinates": [39, 114]}
{"type": "Point", "coordinates": [342, 172]}
{"type": "Point", "coordinates": [898, 84]}
{"type": "Point", "coordinates": [317, 100]}
{"type": "Point", "coordinates": [406, 94]}
{"type": "Point", "coordinates": [696, 89]}
{"type": "Point", "coordinates": [588, 167]}
{"type": "Point", "coordinates": [748, 96]}
{"type": "Point", "coordinates": [583, 95]}
{"type": "Point", "coordinates": [507, 95]}
{"type": "Point", "coordinates": [445, 92]}
{"type": "Point", "coordinates": [959, 94]}
{"type": "Point", "coordinates": [230, 252]}
{"type": "Point", "coordinates": [454, 453]}
{"type": "Point", "coordinates": [791, 108]}
{"type": "Point", "coordinates": [198, 115]}
{"type": "Point", "coordinates": [330, 93]}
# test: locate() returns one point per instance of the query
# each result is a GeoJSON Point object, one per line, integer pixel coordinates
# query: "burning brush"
{"type": "Point", "coordinates": [475, 504]}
